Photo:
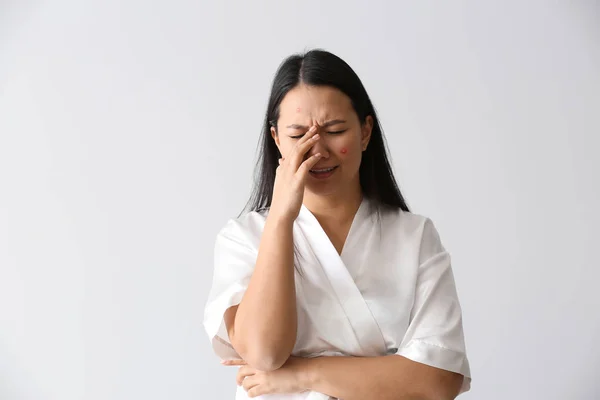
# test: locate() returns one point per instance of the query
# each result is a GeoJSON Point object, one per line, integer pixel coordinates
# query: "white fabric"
{"type": "Point", "coordinates": [391, 291]}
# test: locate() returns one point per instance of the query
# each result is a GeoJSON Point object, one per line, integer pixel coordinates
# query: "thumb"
{"type": "Point", "coordinates": [233, 362]}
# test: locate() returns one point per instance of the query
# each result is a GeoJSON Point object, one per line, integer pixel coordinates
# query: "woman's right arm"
{"type": "Point", "coordinates": [262, 328]}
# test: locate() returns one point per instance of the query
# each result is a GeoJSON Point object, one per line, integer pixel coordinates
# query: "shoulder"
{"type": "Point", "coordinates": [416, 229]}
{"type": "Point", "coordinates": [245, 229]}
{"type": "Point", "coordinates": [409, 223]}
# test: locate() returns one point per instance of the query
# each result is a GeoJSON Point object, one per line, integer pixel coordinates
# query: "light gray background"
{"type": "Point", "coordinates": [127, 139]}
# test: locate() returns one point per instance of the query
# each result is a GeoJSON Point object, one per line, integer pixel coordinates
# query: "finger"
{"type": "Point", "coordinates": [307, 137]}
{"type": "Point", "coordinates": [249, 383]}
{"type": "Point", "coordinates": [257, 390]}
{"type": "Point", "coordinates": [309, 134]}
{"type": "Point", "coordinates": [308, 164]}
{"type": "Point", "coordinates": [233, 362]}
{"type": "Point", "coordinates": [243, 372]}
{"type": "Point", "coordinates": [301, 149]}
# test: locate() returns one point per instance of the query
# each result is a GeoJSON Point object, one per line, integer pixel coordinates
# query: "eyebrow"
{"type": "Point", "coordinates": [325, 125]}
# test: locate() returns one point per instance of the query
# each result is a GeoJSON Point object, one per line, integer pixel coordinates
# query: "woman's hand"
{"type": "Point", "coordinates": [290, 378]}
{"type": "Point", "coordinates": [290, 178]}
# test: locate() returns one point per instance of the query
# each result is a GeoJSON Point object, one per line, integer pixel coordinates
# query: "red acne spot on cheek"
{"type": "Point", "coordinates": [344, 150]}
{"type": "Point", "coordinates": [298, 109]}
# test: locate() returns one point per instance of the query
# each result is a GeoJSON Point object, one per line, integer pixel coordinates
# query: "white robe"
{"type": "Point", "coordinates": [391, 291]}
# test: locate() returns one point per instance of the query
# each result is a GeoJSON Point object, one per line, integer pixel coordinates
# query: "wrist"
{"type": "Point", "coordinates": [280, 220]}
{"type": "Point", "coordinates": [309, 373]}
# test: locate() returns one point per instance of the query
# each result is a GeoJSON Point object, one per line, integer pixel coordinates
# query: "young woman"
{"type": "Point", "coordinates": [329, 287]}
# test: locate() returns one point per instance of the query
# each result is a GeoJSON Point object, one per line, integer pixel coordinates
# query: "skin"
{"type": "Point", "coordinates": [352, 378]}
{"type": "Point", "coordinates": [263, 327]}
{"type": "Point", "coordinates": [343, 138]}
{"type": "Point", "coordinates": [339, 128]}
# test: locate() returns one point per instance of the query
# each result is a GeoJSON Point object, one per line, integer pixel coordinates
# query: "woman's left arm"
{"type": "Point", "coordinates": [434, 336]}
{"type": "Point", "coordinates": [391, 377]}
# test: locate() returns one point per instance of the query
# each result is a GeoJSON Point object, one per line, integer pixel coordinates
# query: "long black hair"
{"type": "Point", "coordinates": [321, 68]}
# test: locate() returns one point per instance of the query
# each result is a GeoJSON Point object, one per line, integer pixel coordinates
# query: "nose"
{"type": "Point", "coordinates": [320, 146]}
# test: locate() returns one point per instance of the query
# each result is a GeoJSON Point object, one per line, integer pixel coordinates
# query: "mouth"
{"type": "Point", "coordinates": [319, 170]}
{"type": "Point", "coordinates": [322, 173]}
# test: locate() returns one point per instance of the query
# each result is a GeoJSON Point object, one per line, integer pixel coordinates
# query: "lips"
{"type": "Point", "coordinates": [322, 170]}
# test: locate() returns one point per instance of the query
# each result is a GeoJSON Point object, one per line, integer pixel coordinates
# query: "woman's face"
{"type": "Point", "coordinates": [343, 137]}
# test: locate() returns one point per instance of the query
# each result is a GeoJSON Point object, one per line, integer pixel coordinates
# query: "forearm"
{"type": "Point", "coordinates": [266, 322]}
{"type": "Point", "coordinates": [384, 378]}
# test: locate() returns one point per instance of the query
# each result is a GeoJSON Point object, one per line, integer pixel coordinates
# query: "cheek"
{"type": "Point", "coordinates": [349, 153]}
{"type": "Point", "coordinates": [285, 147]}
{"type": "Point", "coordinates": [348, 145]}
{"type": "Point", "coordinates": [347, 150]}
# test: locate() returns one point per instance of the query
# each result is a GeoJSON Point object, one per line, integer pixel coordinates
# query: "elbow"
{"type": "Point", "coordinates": [427, 396]}
{"type": "Point", "coordinates": [445, 397]}
{"type": "Point", "coordinates": [267, 359]}
{"type": "Point", "coordinates": [268, 362]}
{"type": "Point", "coordinates": [448, 389]}
{"type": "Point", "coordinates": [264, 357]}
{"type": "Point", "coordinates": [435, 396]}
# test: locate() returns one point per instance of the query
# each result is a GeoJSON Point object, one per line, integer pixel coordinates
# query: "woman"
{"type": "Point", "coordinates": [329, 287]}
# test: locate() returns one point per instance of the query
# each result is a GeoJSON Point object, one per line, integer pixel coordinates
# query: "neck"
{"type": "Point", "coordinates": [339, 206]}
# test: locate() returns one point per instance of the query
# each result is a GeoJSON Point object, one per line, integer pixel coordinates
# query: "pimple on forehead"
{"type": "Point", "coordinates": [344, 150]}
{"type": "Point", "coordinates": [298, 109]}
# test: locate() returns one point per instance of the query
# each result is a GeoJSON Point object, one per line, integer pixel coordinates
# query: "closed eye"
{"type": "Point", "coordinates": [331, 132]}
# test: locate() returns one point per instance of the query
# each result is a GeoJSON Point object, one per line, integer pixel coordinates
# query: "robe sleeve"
{"type": "Point", "coordinates": [435, 333]}
{"type": "Point", "coordinates": [234, 261]}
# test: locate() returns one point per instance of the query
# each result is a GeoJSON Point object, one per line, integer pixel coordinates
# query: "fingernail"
{"type": "Point", "coordinates": [316, 137]}
{"type": "Point", "coordinates": [313, 128]}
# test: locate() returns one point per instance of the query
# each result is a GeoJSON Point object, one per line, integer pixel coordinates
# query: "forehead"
{"type": "Point", "coordinates": [315, 103]}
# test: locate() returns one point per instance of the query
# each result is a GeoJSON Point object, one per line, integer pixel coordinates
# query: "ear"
{"type": "Point", "coordinates": [275, 137]}
{"type": "Point", "coordinates": [366, 130]}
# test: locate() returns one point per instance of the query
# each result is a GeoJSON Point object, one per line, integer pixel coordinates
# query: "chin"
{"type": "Point", "coordinates": [322, 188]}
